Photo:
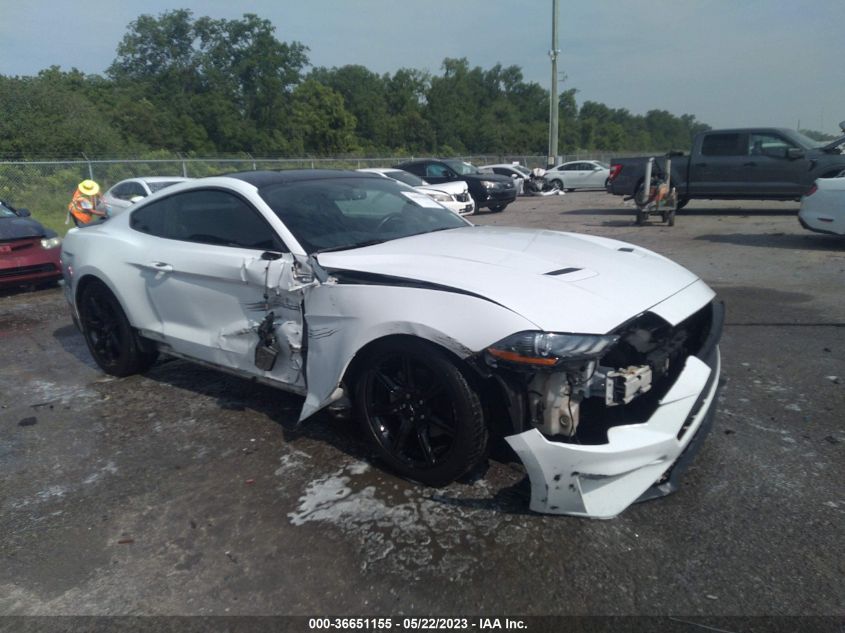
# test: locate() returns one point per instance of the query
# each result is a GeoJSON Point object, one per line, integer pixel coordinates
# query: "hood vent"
{"type": "Point", "coordinates": [563, 271]}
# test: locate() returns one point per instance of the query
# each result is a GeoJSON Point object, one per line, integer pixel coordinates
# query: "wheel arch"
{"type": "Point", "coordinates": [496, 395]}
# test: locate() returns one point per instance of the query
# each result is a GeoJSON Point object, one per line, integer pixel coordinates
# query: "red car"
{"type": "Point", "coordinates": [29, 252]}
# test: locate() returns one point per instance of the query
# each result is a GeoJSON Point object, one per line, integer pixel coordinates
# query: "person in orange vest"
{"type": "Point", "coordinates": [84, 208]}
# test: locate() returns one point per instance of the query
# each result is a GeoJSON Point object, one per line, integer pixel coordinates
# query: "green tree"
{"type": "Point", "coordinates": [319, 121]}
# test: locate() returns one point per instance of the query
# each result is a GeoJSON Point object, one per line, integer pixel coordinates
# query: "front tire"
{"type": "Point", "coordinates": [497, 208]}
{"type": "Point", "coordinates": [112, 341]}
{"type": "Point", "coordinates": [420, 412]}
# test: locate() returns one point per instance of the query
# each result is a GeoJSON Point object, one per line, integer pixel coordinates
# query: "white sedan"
{"type": "Point", "coordinates": [823, 207]}
{"type": "Point", "coordinates": [579, 174]}
{"type": "Point", "coordinates": [127, 192]}
{"type": "Point", "coordinates": [452, 195]}
{"type": "Point", "coordinates": [597, 360]}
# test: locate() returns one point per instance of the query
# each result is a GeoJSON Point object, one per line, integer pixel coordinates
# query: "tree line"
{"type": "Point", "coordinates": [204, 86]}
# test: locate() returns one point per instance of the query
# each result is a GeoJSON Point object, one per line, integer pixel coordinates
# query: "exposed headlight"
{"type": "Point", "coordinates": [51, 242]}
{"type": "Point", "coordinates": [440, 197]}
{"type": "Point", "coordinates": [544, 349]}
{"type": "Point", "coordinates": [490, 184]}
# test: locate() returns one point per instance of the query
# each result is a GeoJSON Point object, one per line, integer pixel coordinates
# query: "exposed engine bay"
{"type": "Point", "coordinates": [646, 354]}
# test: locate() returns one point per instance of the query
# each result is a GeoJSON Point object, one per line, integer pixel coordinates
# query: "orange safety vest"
{"type": "Point", "coordinates": [82, 207]}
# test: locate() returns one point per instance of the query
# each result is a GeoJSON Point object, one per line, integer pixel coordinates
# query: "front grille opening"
{"type": "Point", "coordinates": [665, 343]}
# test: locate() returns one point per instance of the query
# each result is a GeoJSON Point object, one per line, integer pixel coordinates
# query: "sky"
{"type": "Point", "coordinates": [730, 63]}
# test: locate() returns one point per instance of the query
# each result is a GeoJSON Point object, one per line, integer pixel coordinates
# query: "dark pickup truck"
{"type": "Point", "coordinates": [749, 163]}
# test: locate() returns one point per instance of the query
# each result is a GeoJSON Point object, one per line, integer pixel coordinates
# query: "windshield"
{"type": "Point", "coordinates": [341, 213]}
{"type": "Point", "coordinates": [461, 168]}
{"type": "Point", "coordinates": [804, 140]}
{"type": "Point", "coordinates": [6, 212]}
{"type": "Point", "coordinates": [406, 177]}
{"type": "Point", "coordinates": [157, 186]}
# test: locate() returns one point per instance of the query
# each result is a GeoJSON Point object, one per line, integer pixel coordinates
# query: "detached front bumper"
{"type": "Point", "coordinates": [639, 461]}
{"type": "Point", "coordinates": [642, 459]}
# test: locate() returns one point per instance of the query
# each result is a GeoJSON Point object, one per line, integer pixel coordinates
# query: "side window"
{"type": "Point", "coordinates": [723, 145]}
{"type": "Point", "coordinates": [770, 145]}
{"type": "Point", "coordinates": [501, 171]}
{"type": "Point", "coordinates": [151, 218]}
{"type": "Point", "coordinates": [136, 189]}
{"type": "Point", "coordinates": [207, 217]}
{"type": "Point", "coordinates": [121, 192]}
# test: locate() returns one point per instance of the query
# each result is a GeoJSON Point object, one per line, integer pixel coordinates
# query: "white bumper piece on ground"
{"type": "Point", "coordinates": [600, 481]}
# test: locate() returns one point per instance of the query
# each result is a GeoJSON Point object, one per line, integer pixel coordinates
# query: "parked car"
{"type": "Point", "coordinates": [488, 190]}
{"type": "Point", "coordinates": [518, 173]}
{"type": "Point", "coordinates": [737, 164]}
{"type": "Point", "coordinates": [452, 195]}
{"type": "Point", "coordinates": [29, 252]}
{"type": "Point", "coordinates": [823, 206]}
{"type": "Point", "coordinates": [597, 360]}
{"type": "Point", "coordinates": [578, 174]}
{"type": "Point", "coordinates": [127, 192]}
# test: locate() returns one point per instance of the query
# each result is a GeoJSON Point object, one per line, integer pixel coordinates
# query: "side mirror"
{"type": "Point", "coordinates": [24, 213]}
{"type": "Point", "coordinates": [793, 152]}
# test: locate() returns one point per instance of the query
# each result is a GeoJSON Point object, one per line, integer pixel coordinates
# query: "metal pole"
{"type": "Point", "coordinates": [90, 169]}
{"type": "Point", "coordinates": [553, 104]}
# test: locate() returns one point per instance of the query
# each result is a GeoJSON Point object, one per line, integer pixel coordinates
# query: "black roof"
{"type": "Point", "coordinates": [266, 177]}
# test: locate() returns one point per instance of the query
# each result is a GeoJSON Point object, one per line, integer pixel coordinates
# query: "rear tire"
{"type": "Point", "coordinates": [420, 412]}
{"type": "Point", "coordinates": [112, 341]}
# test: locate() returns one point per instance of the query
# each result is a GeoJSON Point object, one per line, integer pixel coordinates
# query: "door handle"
{"type": "Point", "coordinates": [161, 267]}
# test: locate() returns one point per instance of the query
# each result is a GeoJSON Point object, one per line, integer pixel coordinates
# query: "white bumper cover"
{"type": "Point", "coordinates": [600, 481]}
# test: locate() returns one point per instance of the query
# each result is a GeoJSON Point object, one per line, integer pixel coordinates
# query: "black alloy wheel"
{"type": "Point", "coordinates": [424, 419]}
{"type": "Point", "coordinates": [110, 338]}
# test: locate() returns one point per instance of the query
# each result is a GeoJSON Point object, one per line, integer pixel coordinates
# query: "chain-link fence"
{"type": "Point", "coordinates": [45, 187]}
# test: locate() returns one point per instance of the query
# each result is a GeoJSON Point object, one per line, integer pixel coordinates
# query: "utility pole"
{"type": "Point", "coordinates": [553, 105]}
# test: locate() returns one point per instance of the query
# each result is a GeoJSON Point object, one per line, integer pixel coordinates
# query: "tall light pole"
{"type": "Point", "coordinates": [553, 105]}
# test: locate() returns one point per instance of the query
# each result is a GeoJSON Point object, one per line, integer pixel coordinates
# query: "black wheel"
{"type": "Point", "coordinates": [422, 415]}
{"type": "Point", "coordinates": [115, 346]}
{"type": "Point", "coordinates": [496, 208]}
{"type": "Point", "coordinates": [642, 217]}
{"type": "Point", "coordinates": [682, 202]}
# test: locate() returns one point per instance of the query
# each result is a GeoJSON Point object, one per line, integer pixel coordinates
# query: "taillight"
{"type": "Point", "coordinates": [812, 190]}
{"type": "Point", "coordinates": [614, 172]}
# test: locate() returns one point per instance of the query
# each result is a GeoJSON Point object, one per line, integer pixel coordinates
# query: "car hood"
{"type": "Point", "coordinates": [561, 282]}
{"type": "Point", "coordinates": [21, 228]}
{"type": "Point", "coordinates": [452, 188]}
{"type": "Point", "coordinates": [480, 177]}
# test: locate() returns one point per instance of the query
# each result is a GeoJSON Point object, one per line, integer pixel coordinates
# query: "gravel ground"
{"type": "Point", "coordinates": [187, 491]}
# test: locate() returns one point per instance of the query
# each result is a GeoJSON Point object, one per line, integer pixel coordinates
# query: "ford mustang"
{"type": "Point", "coordinates": [597, 360]}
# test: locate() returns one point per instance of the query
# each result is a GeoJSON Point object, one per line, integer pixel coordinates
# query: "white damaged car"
{"type": "Point", "coordinates": [597, 360]}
